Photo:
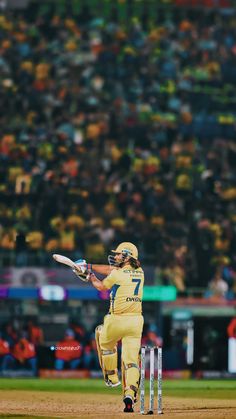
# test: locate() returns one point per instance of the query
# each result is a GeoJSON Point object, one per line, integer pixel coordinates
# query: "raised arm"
{"type": "Point", "coordinates": [100, 269]}
{"type": "Point", "coordinates": [96, 282]}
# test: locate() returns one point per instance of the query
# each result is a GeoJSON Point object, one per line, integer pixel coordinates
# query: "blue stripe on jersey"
{"type": "Point", "coordinates": [113, 294]}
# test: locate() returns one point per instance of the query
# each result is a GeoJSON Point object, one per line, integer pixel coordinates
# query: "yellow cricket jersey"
{"type": "Point", "coordinates": [126, 285]}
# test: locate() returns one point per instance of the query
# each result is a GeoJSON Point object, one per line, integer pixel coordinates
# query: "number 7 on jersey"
{"type": "Point", "coordinates": [138, 281]}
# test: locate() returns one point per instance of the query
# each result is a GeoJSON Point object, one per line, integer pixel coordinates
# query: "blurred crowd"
{"type": "Point", "coordinates": [22, 346]}
{"type": "Point", "coordinates": [111, 132]}
{"type": "Point", "coordinates": [18, 346]}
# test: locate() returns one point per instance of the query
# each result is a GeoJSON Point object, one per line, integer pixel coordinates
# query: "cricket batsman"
{"type": "Point", "coordinates": [124, 277]}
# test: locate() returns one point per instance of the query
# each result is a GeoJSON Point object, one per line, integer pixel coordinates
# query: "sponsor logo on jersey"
{"type": "Point", "coordinates": [134, 299]}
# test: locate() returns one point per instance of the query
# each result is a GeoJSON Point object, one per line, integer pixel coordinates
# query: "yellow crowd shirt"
{"type": "Point", "coordinates": [126, 285]}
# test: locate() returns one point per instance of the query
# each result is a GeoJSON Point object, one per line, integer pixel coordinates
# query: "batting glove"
{"type": "Point", "coordinates": [82, 264]}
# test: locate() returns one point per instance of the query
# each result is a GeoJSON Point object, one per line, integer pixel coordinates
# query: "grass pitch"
{"type": "Point", "coordinates": [207, 389]}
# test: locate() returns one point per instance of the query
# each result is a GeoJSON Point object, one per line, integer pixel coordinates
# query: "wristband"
{"type": "Point", "coordinates": [89, 266]}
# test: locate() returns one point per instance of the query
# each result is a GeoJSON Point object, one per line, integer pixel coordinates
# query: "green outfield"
{"type": "Point", "coordinates": [207, 389]}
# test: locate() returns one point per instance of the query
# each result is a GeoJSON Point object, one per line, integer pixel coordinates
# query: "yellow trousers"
{"type": "Point", "coordinates": [128, 329]}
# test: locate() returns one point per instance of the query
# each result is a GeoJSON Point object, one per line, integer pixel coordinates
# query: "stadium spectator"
{"type": "Point", "coordinates": [151, 337]}
{"type": "Point", "coordinates": [35, 333]}
{"type": "Point", "coordinates": [78, 329]}
{"type": "Point", "coordinates": [90, 357]}
{"type": "Point", "coordinates": [10, 334]}
{"type": "Point", "coordinates": [24, 355]}
{"type": "Point", "coordinates": [4, 354]}
{"type": "Point", "coordinates": [68, 352]}
{"type": "Point", "coordinates": [217, 287]}
{"type": "Point", "coordinates": [152, 107]}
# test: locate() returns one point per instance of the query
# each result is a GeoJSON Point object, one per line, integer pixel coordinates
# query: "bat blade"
{"type": "Point", "coordinates": [65, 260]}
